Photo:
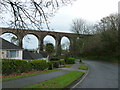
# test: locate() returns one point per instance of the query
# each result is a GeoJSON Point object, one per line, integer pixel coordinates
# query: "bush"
{"type": "Point", "coordinates": [50, 65]}
{"type": "Point", "coordinates": [70, 61]}
{"type": "Point", "coordinates": [55, 58]}
{"type": "Point", "coordinates": [56, 64]}
{"type": "Point", "coordinates": [39, 64]}
{"type": "Point", "coordinates": [62, 62]}
{"type": "Point", "coordinates": [10, 66]}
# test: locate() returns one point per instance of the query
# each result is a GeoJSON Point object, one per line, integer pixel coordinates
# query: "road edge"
{"type": "Point", "coordinates": [78, 81]}
{"type": "Point", "coordinates": [81, 79]}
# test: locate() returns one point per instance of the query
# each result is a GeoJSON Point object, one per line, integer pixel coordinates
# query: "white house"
{"type": "Point", "coordinates": [9, 50]}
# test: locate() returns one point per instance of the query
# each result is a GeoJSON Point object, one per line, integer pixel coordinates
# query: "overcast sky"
{"type": "Point", "coordinates": [90, 10]}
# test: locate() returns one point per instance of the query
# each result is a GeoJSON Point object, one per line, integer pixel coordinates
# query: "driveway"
{"type": "Point", "coordinates": [101, 75]}
{"type": "Point", "coordinates": [22, 82]}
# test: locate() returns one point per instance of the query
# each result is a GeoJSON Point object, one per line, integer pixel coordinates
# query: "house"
{"type": "Point", "coordinates": [9, 50]}
{"type": "Point", "coordinates": [27, 55]}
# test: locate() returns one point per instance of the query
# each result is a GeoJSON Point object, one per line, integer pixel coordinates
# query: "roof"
{"type": "Point", "coordinates": [4, 44]}
{"type": "Point", "coordinates": [32, 56]}
{"type": "Point", "coordinates": [44, 54]}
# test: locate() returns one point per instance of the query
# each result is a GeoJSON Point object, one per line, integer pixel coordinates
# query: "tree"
{"type": "Point", "coordinates": [81, 26]}
{"type": "Point", "coordinates": [14, 40]}
{"type": "Point", "coordinates": [29, 13]}
{"type": "Point", "coordinates": [107, 23]}
{"type": "Point", "coordinates": [104, 42]}
{"type": "Point", "coordinates": [49, 48]}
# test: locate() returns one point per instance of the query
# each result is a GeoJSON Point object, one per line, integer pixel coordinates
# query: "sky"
{"type": "Point", "coordinates": [90, 10]}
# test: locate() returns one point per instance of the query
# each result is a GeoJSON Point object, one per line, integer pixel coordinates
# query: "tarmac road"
{"type": "Point", "coordinates": [22, 82]}
{"type": "Point", "coordinates": [101, 75]}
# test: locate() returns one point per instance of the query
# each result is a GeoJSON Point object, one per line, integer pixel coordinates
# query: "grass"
{"type": "Point", "coordinates": [27, 75]}
{"type": "Point", "coordinates": [59, 82]}
{"type": "Point", "coordinates": [83, 67]}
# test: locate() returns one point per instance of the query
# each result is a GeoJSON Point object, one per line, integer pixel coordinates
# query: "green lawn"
{"type": "Point", "coordinates": [59, 82]}
{"type": "Point", "coordinates": [27, 75]}
{"type": "Point", "coordinates": [83, 67]}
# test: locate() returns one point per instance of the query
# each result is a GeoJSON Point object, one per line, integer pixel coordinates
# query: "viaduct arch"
{"type": "Point", "coordinates": [20, 33]}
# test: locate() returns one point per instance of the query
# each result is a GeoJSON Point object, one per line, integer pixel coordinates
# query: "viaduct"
{"type": "Point", "coordinates": [20, 33]}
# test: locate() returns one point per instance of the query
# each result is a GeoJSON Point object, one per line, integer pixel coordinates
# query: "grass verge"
{"type": "Point", "coordinates": [59, 82]}
{"type": "Point", "coordinates": [83, 67]}
{"type": "Point", "coordinates": [27, 75]}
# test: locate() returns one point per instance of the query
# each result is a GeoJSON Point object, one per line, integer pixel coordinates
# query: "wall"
{"type": "Point", "coordinates": [3, 54]}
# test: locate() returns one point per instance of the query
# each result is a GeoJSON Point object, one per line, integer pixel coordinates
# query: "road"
{"type": "Point", "coordinates": [26, 81]}
{"type": "Point", "coordinates": [101, 75]}
{"type": "Point", "coordinates": [22, 82]}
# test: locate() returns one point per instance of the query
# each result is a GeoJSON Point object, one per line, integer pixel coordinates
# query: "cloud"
{"type": "Point", "coordinates": [91, 10]}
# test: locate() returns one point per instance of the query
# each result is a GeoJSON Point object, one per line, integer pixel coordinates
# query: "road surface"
{"type": "Point", "coordinates": [101, 75]}
{"type": "Point", "coordinates": [22, 82]}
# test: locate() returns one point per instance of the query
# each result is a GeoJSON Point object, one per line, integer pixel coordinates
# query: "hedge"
{"type": "Point", "coordinates": [56, 64]}
{"type": "Point", "coordinates": [50, 65]}
{"type": "Point", "coordinates": [10, 66]}
{"type": "Point", "coordinates": [54, 58]}
{"type": "Point", "coordinates": [62, 62]}
{"type": "Point", "coordinates": [39, 64]}
{"type": "Point", "coordinates": [70, 61]}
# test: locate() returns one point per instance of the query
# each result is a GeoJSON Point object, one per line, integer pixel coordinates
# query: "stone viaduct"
{"type": "Point", "coordinates": [20, 33]}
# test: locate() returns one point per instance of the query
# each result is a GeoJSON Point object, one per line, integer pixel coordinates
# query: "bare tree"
{"type": "Point", "coordinates": [81, 26]}
{"type": "Point", "coordinates": [107, 23]}
{"type": "Point", "coordinates": [29, 13]}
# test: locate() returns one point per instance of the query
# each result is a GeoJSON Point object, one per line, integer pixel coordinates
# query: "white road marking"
{"type": "Point", "coordinates": [81, 79]}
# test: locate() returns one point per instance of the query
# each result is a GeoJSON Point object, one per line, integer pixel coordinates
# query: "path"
{"type": "Point", "coordinates": [101, 75]}
{"type": "Point", "coordinates": [75, 67]}
{"type": "Point", "coordinates": [22, 82]}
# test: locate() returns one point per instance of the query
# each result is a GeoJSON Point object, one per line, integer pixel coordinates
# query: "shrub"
{"type": "Point", "coordinates": [39, 64]}
{"type": "Point", "coordinates": [55, 58]}
{"type": "Point", "coordinates": [62, 62]}
{"type": "Point", "coordinates": [56, 64]}
{"type": "Point", "coordinates": [10, 66]}
{"type": "Point", "coordinates": [50, 65]}
{"type": "Point", "coordinates": [70, 60]}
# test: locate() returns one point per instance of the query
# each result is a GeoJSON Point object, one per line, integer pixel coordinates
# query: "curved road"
{"type": "Point", "coordinates": [101, 75]}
